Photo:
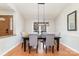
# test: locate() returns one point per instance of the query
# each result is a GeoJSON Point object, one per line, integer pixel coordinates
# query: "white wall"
{"type": "Point", "coordinates": [9, 42]}
{"type": "Point", "coordinates": [29, 25]}
{"type": "Point", "coordinates": [70, 38]}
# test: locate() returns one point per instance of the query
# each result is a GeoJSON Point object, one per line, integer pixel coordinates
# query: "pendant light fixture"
{"type": "Point", "coordinates": [40, 25]}
{"type": "Point", "coordinates": [43, 13]}
{"type": "Point", "coordinates": [41, 17]}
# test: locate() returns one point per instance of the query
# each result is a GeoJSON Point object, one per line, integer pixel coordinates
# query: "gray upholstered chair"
{"type": "Point", "coordinates": [44, 36]}
{"type": "Point", "coordinates": [33, 42]}
{"type": "Point", "coordinates": [50, 42]}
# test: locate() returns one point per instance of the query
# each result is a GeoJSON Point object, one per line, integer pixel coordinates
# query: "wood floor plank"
{"type": "Point", "coordinates": [63, 51]}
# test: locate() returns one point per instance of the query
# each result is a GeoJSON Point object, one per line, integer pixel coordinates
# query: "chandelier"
{"type": "Point", "coordinates": [41, 16]}
{"type": "Point", "coordinates": [41, 24]}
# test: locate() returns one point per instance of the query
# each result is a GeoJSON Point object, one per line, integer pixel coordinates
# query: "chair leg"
{"type": "Point", "coordinates": [37, 49]}
{"type": "Point", "coordinates": [22, 44]}
{"type": "Point", "coordinates": [46, 50]}
{"type": "Point", "coordinates": [43, 45]}
{"type": "Point", "coordinates": [29, 47]}
{"type": "Point", "coordinates": [52, 49]}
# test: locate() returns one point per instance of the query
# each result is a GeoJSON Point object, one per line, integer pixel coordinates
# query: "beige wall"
{"type": "Point", "coordinates": [8, 43]}
{"type": "Point", "coordinates": [70, 38]}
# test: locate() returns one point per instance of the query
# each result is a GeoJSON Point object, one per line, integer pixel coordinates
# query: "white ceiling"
{"type": "Point", "coordinates": [30, 10]}
{"type": "Point", "coordinates": [5, 6]}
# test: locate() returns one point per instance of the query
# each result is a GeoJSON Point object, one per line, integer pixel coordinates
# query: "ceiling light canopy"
{"type": "Point", "coordinates": [41, 3]}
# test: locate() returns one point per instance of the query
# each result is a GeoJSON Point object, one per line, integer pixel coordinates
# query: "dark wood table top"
{"type": "Point", "coordinates": [42, 37]}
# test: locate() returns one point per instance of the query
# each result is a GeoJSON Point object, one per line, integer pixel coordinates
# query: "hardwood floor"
{"type": "Point", "coordinates": [64, 51]}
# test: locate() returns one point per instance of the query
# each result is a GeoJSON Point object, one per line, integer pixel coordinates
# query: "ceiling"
{"type": "Point", "coordinates": [5, 6]}
{"type": "Point", "coordinates": [30, 10]}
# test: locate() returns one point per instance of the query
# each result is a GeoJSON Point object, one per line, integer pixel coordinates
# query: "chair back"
{"type": "Point", "coordinates": [33, 40]}
{"type": "Point", "coordinates": [21, 35]}
{"type": "Point", "coordinates": [50, 39]}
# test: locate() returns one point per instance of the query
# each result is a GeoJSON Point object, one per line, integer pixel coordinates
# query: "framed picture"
{"type": "Point", "coordinates": [43, 28]}
{"type": "Point", "coordinates": [72, 21]}
{"type": "Point", "coordinates": [36, 27]}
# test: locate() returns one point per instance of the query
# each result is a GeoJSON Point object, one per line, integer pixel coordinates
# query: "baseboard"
{"type": "Point", "coordinates": [10, 49]}
{"type": "Point", "coordinates": [69, 47]}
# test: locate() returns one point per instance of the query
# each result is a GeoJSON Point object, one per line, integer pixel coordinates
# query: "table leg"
{"type": "Point", "coordinates": [57, 44]}
{"type": "Point", "coordinates": [24, 45]}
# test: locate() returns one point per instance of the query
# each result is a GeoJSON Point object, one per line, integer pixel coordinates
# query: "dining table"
{"type": "Point", "coordinates": [57, 39]}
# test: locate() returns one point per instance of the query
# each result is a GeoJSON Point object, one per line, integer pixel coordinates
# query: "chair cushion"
{"type": "Point", "coordinates": [25, 34]}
